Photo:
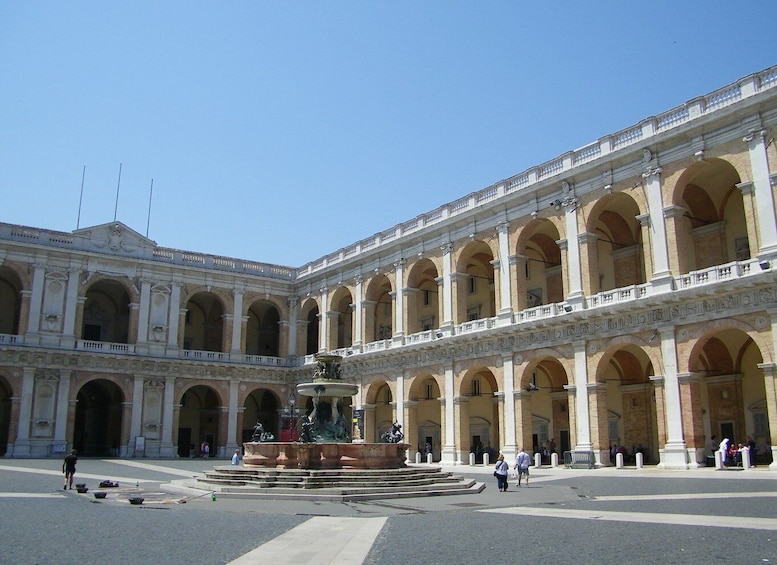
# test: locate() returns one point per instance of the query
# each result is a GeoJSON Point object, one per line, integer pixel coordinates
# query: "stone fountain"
{"type": "Point", "coordinates": [325, 440]}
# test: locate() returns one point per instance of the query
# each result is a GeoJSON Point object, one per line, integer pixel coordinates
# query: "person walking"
{"type": "Point", "coordinates": [500, 472]}
{"type": "Point", "coordinates": [522, 464]}
{"type": "Point", "coordinates": [69, 468]}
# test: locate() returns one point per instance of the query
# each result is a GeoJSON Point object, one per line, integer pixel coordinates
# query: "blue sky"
{"type": "Point", "coordinates": [284, 131]}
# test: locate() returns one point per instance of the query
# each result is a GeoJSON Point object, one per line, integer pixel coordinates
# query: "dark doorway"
{"type": "Point", "coordinates": [97, 429]}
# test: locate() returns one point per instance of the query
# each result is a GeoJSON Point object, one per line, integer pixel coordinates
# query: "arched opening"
{"type": "Point", "coordinates": [342, 305]}
{"type": "Point", "coordinates": [730, 400]}
{"type": "Point", "coordinates": [427, 411]}
{"type": "Point", "coordinates": [312, 329]}
{"type": "Point", "coordinates": [263, 329]}
{"type": "Point", "coordinates": [106, 313]}
{"type": "Point", "coordinates": [263, 406]}
{"type": "Point", "coordinates": [713, 230]}
{"type": "Point", "coordinates": [10, 301]}
{"type": "Point", "coordinates": [476, 296]}
{"type": "Point", "coordinates": [539, 278]}
{"type": "Point", "coordinates": [204, 327]}
{"type": "Point", "coordinates": [380, 312]}
{"type": "Point", "coordinates": [423, 298]}
{"type": "Point", "coordinates": [97, 428]}
{"type": "Point", "coordinates": [631, 424]}
{"type": "Point", "coordinates": [545, 409]}
{"type": "Point", "coordinates": [198, 421]}
{"type": "Point", "coordinates": [617, 261]}
{"type": "Point", "coordinates": [478, 434]}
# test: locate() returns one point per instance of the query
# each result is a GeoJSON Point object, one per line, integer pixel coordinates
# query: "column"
{"type": "Point", "coordinates": [574, 277]}
{"type": "Point", "coordinates": [145, 310]}
{"type": "Point", "coordinates": [582, 412]}
{"type": "Point", "coordinates": [232, 440]}
{"type": "Point", "coordinates": [509, 447]}
{"type": "Point", "coordinates": [136, 413]}
{"type": "Point", "coordinates": [600, 424]}
{"type": "Point", "coordinates": [461, 415]}
{"type": "Point", "coordinates": [21, 447]}
{"type": "Point", "coordinates": [448, 455]}
{"type": "Point", "coordinates": [71, 302]}
{"type": "Point", "coordinates": [174, 316]}
{"type": "Point", "coordinates": [36, 301]}
{"type": "Point", "coordinates": [693, 426]}
{"type": "Point", "coordinates": [237, 321]}
{"type": "Point", "coordinates": [505, 285]}
{"type": "Point", "coordinates": [293, 302]}
{"type": "Point", "coordinates": [359, 329]}
{"type": "Point", "coordinates": [767, 221]}
{"type": "Point", "coordinates": [399, 401]}
{"type": "Point", "coordinates": [447, 287]}
{"type": "Point", "coordinates": [661, 279]}
{"type": "Point", "coordinates": [63, 405]}
{"type": "Point", "coordinates": [673, 455]}
{"type": "Point", "coordinates": [323, 334]}
{"type": "Point", "coordinates": [166, 448]}
{"type": "Point", "coordinates": [770, 384]}
{"type": "Point", "coordinates": [524, 424]}
{"type": "Point", "coordinates": [399, 303]}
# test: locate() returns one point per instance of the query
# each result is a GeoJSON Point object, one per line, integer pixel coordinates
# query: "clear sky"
{"type": "Point", "coordinates": [284, 131]}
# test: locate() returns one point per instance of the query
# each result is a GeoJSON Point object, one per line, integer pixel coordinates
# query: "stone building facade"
{"type": "Point", "coordinates": [623, 293]}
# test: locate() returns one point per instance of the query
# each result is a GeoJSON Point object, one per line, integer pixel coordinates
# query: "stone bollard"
{"type": "Point", "coordinates": [619, 460]}
{"type": "Point", "coordinates": [718, 460]}
{"type": "Point", "coordinates": [486, 459]}
{"type": "Point", "coordinates": [538, 460]}
{"type": "Point", "coordinates": [429, 458]}
{"type": "Point", "coordinates": [554, 460]}
{"type": "Point", "coordinates": [417, 456]}
{"type": "Point", "coordinates": [471, 459]}
{"type": "Point", "coordinates": [639, 457]}
{"type": "Point", "coordinates": [745, 455]}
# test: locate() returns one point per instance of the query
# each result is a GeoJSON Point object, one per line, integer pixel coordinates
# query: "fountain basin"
{"type": "Point", "coordinates": [327, 388]}
{"type": "Point", "coordinates": [279, 455]}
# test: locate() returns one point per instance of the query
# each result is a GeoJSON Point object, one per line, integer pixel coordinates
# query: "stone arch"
{"type": "Point", "coordinates": [539, 278]}
{"type": "Point", "coordinates": [626, 415]}
{"type": "Point", "coordinates": [618, 259]}
{"type": "Point", "coordinates": [544, 423]}
{"type": "Point", "coordinates": [479, 386]}
{"type": "Point", "coordinates": [261, 405]}
{"type": "Point", "coordinates": [713, 229]}
{"type": "Point", "coordinates": [97, 428]}
{"type": "Point", "coordinates": [310, 312]}
{"type": "Point", "coordinates": [424, 393]}
{"type": "Point", "coordinates": [263, 329]}
{"type": "Point", "coordinates": [10, 301]}
{"type": "Point", "coordinates": [475, 294]}
{"type": "Point", "coordinates": [423, 297]}
{"type": "Point", "coordinates": [727, 390]}
{"type": "Point", "coordinates": [204, 322]}
{"type": "Point", "coordinates": [378, 309]}
{"type": "Point", "coordinates": [341, 308]}
{"type": "Point", "coordinates": [199, 418]}
{"type": "Point", "coordinates": [106, 310]}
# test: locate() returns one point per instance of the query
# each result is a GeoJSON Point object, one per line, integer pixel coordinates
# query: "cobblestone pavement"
{"type": "Point", "coordinates": [591, 516]}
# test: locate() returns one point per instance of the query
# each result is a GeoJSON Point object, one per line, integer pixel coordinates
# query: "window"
{"type": "Point", "coordinates": [427, 297]}
{"type": "Point", "coordinates": [760, 424]}
{"type": "Point", "coordinates": [429, 391]}
{"type": "Point", "coordinates": [473, 284]}
{"type": "Point", "coordinates": [475, 387]}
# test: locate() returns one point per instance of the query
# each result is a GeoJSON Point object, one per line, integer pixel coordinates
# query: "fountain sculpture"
{"type": "Point", "coordinates": [325, 435]}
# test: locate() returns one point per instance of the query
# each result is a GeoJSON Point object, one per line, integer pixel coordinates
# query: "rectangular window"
{"type": "Point", "coordinates": [476, 387]}
{"type": "Point", "coordinates": [760, 424]}
{"type": "Point", "coordinates": [473, 284]}
{"type": "Point", "coordinates": [427, 297]}
{"type": "Point", "coordinates": [429, 392]}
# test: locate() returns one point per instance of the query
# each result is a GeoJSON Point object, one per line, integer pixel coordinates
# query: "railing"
{"type": "Point", "coordinates": [10, 339]}
{"type": "Point", "coordinates": [380, 345]}
{"type": "Point", "coordinates": [198, 355]}
{"type": "Point", "coordinates": [619, 295]}
{"type": "Point", "coordinates": [104, 346]}
{"type": "Point", "coordinates": [262, 360]}
{"type": "Point", "coordinates": [539, 312]}
{"type": "Point", "coordinates": [476, 325]}
{"type": "Point", "coordinates": [420, 337]}
{"type": "Point", "coordinates": [729, 271]}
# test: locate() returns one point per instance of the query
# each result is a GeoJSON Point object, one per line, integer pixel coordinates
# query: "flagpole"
{"type": "Point", "coordinates": [116, 207]}
{"type": "Point", "coordinates": [81, 198]}
{"type": "Point", "coordinates": [150, 194]}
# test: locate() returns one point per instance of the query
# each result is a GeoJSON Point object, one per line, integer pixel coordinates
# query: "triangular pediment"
{"type": "Point", "coordinates": [114, 237]}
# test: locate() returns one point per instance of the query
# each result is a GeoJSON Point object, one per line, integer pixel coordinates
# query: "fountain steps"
{"type": "Point", "coordinates": [332, 485]}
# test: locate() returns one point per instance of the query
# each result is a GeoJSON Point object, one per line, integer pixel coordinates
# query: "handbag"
{"type": "Point", "coordinates": [495, 473]}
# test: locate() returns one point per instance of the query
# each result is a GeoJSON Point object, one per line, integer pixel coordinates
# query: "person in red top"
{"type": "Point", "coordinates": [69, 468]}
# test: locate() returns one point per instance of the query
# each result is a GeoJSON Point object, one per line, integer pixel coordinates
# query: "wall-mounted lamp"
{"type": "Point", "coordinates": [438, 334]}
{"type": "Point", "coordinates": [765, 265]}
{"type": "Point", "coordinates": [567, 307]}
{"type": "Point", "coordinates": [653, 337]}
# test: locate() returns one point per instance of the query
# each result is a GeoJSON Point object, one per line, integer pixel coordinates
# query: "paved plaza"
{"type": "Point", "coordinates": [579, 516]}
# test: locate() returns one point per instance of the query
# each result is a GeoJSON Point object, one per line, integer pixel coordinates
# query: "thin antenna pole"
{"type": "Point", "coordinates": [81, 198]}
{"type": "Point", "coordinates": [116, 207]}
{"type": "Point", "coordinates": [150, 194]}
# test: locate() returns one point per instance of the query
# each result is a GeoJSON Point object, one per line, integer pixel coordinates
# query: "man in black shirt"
{"type": "Point", "coordinates": [69, 468]}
